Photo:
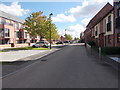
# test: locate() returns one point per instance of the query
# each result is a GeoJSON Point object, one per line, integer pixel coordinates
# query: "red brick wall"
{"type": "Point", "coordinates": [116, 30]}
{"type": "Point", "coordinates": [111, 44]}
{"type": "Point", "coordinates": [1, 26]}
{"type": "Point", "coordinates": [87, 35]}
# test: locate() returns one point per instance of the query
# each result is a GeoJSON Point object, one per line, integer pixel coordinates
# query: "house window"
{"type": "Point", "coordinates": [21, 34]}
{"type": "Point", "coordinates": [22, 27]}
{"type": "Point", "coordinates": [17, 34]}
{"type": "Point", "coordinates": [109, 24]}
{"type": "Point", "coordinates": [1, 32]}
{"type": "Point", "coordinates": [17, 41]}
{"type": "Point", "coordinates": [22, 41]}
{"type": "Point", "coordinates": [25, 34]}
{"type": "Point", "coordinates": [104, 25]}
{"type": "Point", "coordinates": [118, 12]}
{"type": "Point", "coordinates": [96, 32]}
{"type": "Point", "coordinates": [17, 26]}
{"type": "Point", "coordinates": [109, 18]}
{"type": "Point", "coordinates": [3, 21]}
{"type": "Point", "coordinates": [118, 37]}
{"type": "Point", "coordinates": [6, 32]}
{"type": "Point", "coordinates": [4, 41]}
{"type": "Point", "coordinates": [11, 23]}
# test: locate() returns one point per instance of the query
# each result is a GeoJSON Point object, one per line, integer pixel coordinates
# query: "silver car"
{"type": "Point", "coordinates": [44, 44]}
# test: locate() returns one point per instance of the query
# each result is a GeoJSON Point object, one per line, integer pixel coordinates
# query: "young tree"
{"type": "Point", "coordinates": [34, 24]}
{"type": "Point", "coordinates": [76, 38]}
{"type": "Point", "coordinates": [38, 24]}
{"type": "Point", "coordinates": [54, 32]}
{"type": "Point", "coordinates": [68, 37]}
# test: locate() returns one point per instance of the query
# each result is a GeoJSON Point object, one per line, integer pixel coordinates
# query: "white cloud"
{"type": "Point", "coordinates": [88, 8]}
{"type": "Point", "coordinates": [85, 21]}
{"type": "Point", "coordinates": [61, 32]}
{"type": "Point", "coordinates": [75, 30]}
{"type": "Point", "coordinates": [14, 9]}
{"type": "Point", "coordinates": [63, 18]}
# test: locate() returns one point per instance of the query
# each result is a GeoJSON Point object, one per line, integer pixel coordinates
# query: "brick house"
{"type": "Point", "coordinates": [12, 33]}
{"type": "Point", "coordinates": [87, 35]}
{"type": "Point", "coordinates": [117, 23]}
{"type": "Point", "coordinates": [101, 27]}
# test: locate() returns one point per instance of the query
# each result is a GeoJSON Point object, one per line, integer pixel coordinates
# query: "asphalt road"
{"type": "Point", "coordinates": [71, 67]}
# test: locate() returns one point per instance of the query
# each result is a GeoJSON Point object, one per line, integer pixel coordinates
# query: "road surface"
{"type": "Point", "coordinates": [71, 67]}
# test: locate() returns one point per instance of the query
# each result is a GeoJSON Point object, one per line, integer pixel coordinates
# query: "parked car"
{"type": "Point", "coordinates": [66, 41]}
{"type": "Point", "coordinates": [44, 44]}
{"type": "Point", "coordinates": [59, 42]}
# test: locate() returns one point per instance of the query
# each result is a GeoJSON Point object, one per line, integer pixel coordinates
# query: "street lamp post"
{"type": "Point", "coordinates": [50, 27]}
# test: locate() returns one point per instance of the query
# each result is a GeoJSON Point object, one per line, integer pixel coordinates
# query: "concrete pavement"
{"type": "Point", "coordinates": [23, 55]}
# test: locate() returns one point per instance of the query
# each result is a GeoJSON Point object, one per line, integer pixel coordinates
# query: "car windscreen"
{"type": "Point", "coordinates": [40, 43]}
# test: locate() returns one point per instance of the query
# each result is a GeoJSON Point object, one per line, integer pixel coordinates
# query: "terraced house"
{"type": "Point", "coordinates": [12, 33]}
{"type": "Point", "coordinates": [104, 27]}
{"type": "Point", "coordinates": [117, 22]}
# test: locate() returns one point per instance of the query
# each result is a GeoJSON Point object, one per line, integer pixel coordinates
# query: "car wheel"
{"type": "Point", "coordinates": [33, 46]}
{"type": "Point", "coordinates": [44, 46]}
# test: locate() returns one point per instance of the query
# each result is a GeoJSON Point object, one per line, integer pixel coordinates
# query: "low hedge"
{"type": "Point", "coordinates": [108, 50]}
{"type": "Point", "coordinates": [91, 43]}
{"type": "Point", "coordinates": [111, 50]}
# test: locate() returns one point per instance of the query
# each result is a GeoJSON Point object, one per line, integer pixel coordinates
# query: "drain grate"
{"type": "Point", "coordinates": [44, 60]}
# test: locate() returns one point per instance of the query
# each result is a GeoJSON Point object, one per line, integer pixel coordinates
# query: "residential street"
{"type": "Point", "coordinates": [70, 67]}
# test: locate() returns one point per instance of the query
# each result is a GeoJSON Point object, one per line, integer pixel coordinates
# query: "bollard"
{"type": "Point", "coordinates": [99, 52]}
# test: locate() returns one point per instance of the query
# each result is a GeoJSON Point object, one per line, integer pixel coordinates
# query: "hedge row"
{"type": "Point", "coordinates": [111, 50]}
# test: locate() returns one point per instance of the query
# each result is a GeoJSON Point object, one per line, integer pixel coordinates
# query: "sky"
{"type": "Point", "coordinates": [67, 15]}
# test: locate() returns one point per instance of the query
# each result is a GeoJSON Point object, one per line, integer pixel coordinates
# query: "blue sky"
{"type": "Point", "coordinates": [73, 16]}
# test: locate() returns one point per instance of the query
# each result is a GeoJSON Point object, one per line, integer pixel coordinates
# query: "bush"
{"type": "Point", "coordinates": [91, 43]}
{"type": "Point", "coordinates": [111, 50]}
{"type": "Point", "coordinates": [81, 41]}
{"type": "Point", "coordinates": [96, 48]}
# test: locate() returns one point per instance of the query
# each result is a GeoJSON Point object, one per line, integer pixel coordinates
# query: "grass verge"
{"type": "Point", "coordinates": [26, 48]}
{"type": "Point", "coordinates": [3, 51]}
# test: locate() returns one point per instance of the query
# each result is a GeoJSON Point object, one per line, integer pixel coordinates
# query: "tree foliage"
{"type": "Point", "coordinates": [76, 38]}
{"type": "Point", "coordinates": [68, 37]}
{"type": "Point", "coordinates": [38, 24]}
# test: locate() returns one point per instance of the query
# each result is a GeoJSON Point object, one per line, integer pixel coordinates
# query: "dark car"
{"type": "Point", "coordinates": [44, 44]}
{"type": "Point", "coordinates": [66, 41]}
{"type": "Point", "coordinates": [59, 43]}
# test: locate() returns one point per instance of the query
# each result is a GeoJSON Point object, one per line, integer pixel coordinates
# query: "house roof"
{"type": "Point", "coordinates": [100, 15]}
{"type": "Point", "coordinates": [11, 17]}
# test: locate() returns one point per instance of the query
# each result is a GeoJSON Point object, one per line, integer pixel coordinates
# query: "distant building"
{"type": "Point", "coordinates": [12, 33]}
{"type": "Point", "coordinates": [62, 38]}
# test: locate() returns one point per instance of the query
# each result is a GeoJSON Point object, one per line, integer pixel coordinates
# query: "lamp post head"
{"type": "Point", "coordinates": [51, 14]}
